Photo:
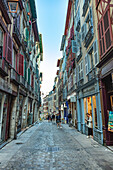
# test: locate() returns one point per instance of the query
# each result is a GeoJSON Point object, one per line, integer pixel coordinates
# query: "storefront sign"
{"type": "Point", "coordinates": [107, 68]}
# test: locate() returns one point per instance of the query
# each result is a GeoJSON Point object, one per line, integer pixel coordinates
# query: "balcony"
{"type": "Point", "coordinates": [89, 37]}
{"type": "Point", "coordinates": [85, 7]}
{"type": "Point", "coordinates": [3, 67]}
{"type": "Point", "coordinates": [91, 75]}
{"type": "Point", "coordinates": [22, 81]}
{"type": "Point", "coordinates": [15, 77]}
{"type": "Point", "coordinates": [17, 35]}
{"type": "Point", "coordinates": [80, 83]}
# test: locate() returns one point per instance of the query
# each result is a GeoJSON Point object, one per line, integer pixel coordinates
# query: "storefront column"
{"type": "Point", "coordinates": [92, 113]}
{"type": "Point", "coordinates": [83, 116]}
{"type": "Point", "coordinates": [100, 121]}
{"type": "Point", "coordinates": [78, 116]}
{"type": "Point", "coordinates": [97, 108]}
{"type": "Point", "coordinates": [1, 113]}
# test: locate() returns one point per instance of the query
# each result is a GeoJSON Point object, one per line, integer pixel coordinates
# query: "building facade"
{"type": "Point", "coordinates": [20, 56]}
{"type": "Point", "coordinates": [104, 11]}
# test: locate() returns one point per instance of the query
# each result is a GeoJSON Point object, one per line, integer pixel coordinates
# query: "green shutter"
{"type": "Point", "coordinates": [26, 34]}
{"type": "Point", "coordinates": [25, 69]}
{"type": "Point", "coordinates": [29, 76]}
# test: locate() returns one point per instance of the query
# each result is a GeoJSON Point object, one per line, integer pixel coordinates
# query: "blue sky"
{"type": "Point", "coordinates": [51, 17]}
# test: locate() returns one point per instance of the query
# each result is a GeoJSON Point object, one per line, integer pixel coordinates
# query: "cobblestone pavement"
{"type": "Point", "coordinates": [46, 147]}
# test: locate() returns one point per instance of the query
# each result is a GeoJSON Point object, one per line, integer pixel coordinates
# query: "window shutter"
{"type": "Point", "coordinates": [74, 46]}
{"type": "Point", "coordinates": [91, 17]}
{"type": "Point", "coordinates": [81, 76]}
{"type": "Point", "coordinates": [95, 48]}
{"type": "Point", "coordinates": [29, 76]}
{"type": "Point", "coordinates": [25, 69]}
{"type": "Point", "coordinates": [107, 30]}
{"type": "Point", "coordinates": [9, 49]}
{"type": "Point", "coordinates": [89, 65]}
{"type": "Point", "coordinates": [26, 34]}
{"type": "Point", "coordinates": [75, 76]}
{"type": "Point", "coordinates": [17, 63]}
{"type": "Point", "coordinates": [21, 64]}
{"type": "Point", "coordinates": [18, 22]}
{"type": "Point", "coordinates": [86, 64]}
{"type": "Point", "coordinates": [5, 45]}
{"type": "Point", "coordinates": [84, 31]}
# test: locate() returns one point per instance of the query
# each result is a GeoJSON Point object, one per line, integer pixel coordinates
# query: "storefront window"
{"type": "Point", "coordinates": [110, 115]}
{"type": "Point", "coordinates": [94, 110]}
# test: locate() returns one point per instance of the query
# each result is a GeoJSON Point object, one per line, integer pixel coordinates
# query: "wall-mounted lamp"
{"type": "Point", "coordinates": [13, 6]}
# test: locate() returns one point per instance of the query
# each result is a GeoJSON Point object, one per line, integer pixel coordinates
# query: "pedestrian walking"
{"type": "Point", "coordinates": [69, 117]}
{"type": "Point", "coordinates": [53, 119]}
{"type": "Point", "coordinates": [58, 120]}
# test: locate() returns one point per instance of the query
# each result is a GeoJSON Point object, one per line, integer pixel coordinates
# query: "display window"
{"type": "Point", "coordinates": [94, 111]}
{"type": "Point", "coordinates": [88, 109]}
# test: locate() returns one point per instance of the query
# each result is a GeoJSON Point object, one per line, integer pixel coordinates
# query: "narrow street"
{"type": "Point", "coordinates": [44, 146]}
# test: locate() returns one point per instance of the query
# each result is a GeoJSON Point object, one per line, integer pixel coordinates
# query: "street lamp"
{"type": "Point", "coordinates": [13, 6]}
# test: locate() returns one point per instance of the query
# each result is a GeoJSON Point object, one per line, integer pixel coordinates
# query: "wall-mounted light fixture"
{"type": "Point", "coordinates": [13, 6]}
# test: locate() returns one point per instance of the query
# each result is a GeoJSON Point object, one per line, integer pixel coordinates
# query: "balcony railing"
{"type": "Point", "coordinates": [15, 77]}
{"type": "Point", "coordinates": [3, 66]}
{"type": "Point", "coordinates": [89, 37]}
{"type": "Point", "coordinates": [22, 80]}
{"type": "Point", "coordinates": [91, 75]}
{"type": "Point", "coordinates": [17, 35]}
{"type": "Point", "coordinates": [85, 7]}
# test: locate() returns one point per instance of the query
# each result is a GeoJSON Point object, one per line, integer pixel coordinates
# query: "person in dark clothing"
{"type": "Point", "coordinates": [69, 117]}
{"type": "Point", "coordinates": [58, 121]}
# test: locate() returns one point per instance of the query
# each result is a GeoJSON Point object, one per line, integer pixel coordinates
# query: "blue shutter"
{"type": "Point", "coordinates": [95, 49]}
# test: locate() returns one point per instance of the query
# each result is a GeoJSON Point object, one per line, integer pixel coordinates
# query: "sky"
{"type": "Point", "coordinates": [51, 18]}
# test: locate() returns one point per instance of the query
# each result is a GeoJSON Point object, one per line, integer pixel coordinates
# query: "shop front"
{"type": "Point", "coordinates": [106, 89]}
{"type": "Point", "coordinates": [5, 114]}
{"type": "Point", "coordinates": [88, 106]}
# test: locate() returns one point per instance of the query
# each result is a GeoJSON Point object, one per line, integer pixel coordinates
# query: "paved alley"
{"type": "Point", "coordinates": [45, 147]}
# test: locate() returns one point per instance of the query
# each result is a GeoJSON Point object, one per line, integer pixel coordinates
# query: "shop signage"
{"type": "Point", "coordinates": [107, 68]}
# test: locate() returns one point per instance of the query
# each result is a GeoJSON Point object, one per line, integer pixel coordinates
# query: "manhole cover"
{"type": "Point", "coordinates": [19, 143]}
{"type": "Point", "coordinates": [52, 149]}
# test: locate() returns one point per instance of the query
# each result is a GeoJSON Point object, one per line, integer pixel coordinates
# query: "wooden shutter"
{"type": "Point", "coordinates": [25, 69]}
{"type": "Point", "coordinates": [21, 64]}
{"type": "Point", "coordinates": [9, 49]}
{"type": "Point", "coordinates": [5, 45]}
{"type": "Point", "coordinates": [84, 31]}
{"type": "Point", "coordinates": [95, 49]}
{"type": "Point", "coordinates": [107, 30]}
{"type": "Point", "coordinates": [81, 70]}
{"type": "Point", "coordinates": [29, 76]}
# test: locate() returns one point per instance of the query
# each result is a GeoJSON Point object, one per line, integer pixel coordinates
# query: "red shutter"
{"type": "Point", "coordinates": [21, 64]}
{"type": "Point", "coordinates": [5, 45]}
{"type": "Point", "coordinates": [9, 49]}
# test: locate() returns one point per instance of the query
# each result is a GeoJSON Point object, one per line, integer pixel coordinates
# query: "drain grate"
{"type": "Point", "coordinates": [52, 149]}
{"type": "Point", "coordinates": [19, 143]}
